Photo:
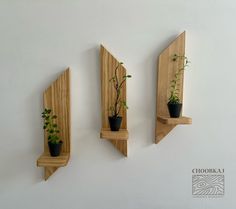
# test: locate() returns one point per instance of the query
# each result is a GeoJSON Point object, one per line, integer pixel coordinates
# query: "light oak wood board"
{"type": "Point", "coordinates": [174, 121]}
{"type": "Point", "coordinates": [108, 65]}
{"type": "Point", "coordinates": [45, 160]}
{"type": "Point", "coordinates": [166, 72]}
{"type": "Point", "coordinates": [122, 134]}
{"type": "Point", "coordinates": [57, 98]}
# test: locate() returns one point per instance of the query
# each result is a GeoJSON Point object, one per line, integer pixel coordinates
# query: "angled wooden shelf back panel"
{"type": "Point", "coordinates": [108, 65]}
{"type": "Point", "coordinates": [166, 73]}
{"type": "Point", "coordinates": [57, 98]}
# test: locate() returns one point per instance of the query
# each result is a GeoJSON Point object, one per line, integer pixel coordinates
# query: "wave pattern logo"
{"type": "Point", "coordinates": [208, 185]}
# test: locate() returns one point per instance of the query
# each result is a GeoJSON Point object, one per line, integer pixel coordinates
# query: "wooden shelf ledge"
{"type": "Point", "coordinates": [122, 134]}
{"type": "Point", "coordinates": [174, 121]}
{"type": "Point", "coordinates": [45, 160]}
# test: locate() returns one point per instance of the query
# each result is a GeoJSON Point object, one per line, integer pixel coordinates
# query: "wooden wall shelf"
{"type": "Point", "coordinates": [166, 73]}
{"type": "Point", "coordinates": [45, 160]}
{"type": "Point", "coordinates": [108, 64]}
{"type": "Point", "coordinates": [174, 121]}
{"type": "Point", "coordinates": [57, 98]}
{"type": "Point", "coordinates": [122, 134]}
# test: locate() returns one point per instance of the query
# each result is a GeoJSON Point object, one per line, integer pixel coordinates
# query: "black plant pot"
{"type": "Point", "coordinates": [55, 149]}
{"type": "Point", "coordinates": [115, 123]}
{"type": "Point", "coordinates": [174, 110]}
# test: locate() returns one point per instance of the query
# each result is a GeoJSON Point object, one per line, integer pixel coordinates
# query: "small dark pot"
{"type": "Point", "coordinates": [174, 110]}
{"type": "Point", "coordinates": [115, 123]}
{"type": "Point", "coordinates": [55, 149]}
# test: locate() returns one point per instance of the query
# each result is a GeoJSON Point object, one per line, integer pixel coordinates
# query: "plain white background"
{"type": "Point", "coordinates": [39, 39]}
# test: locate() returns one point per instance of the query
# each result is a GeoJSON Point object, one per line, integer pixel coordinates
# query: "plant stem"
{"type": "Point", "coordinates": [117, 91]}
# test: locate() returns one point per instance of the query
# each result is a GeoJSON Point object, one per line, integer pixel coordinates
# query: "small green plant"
{"type": "Point", "coordinates": [50, 126]}
{"type": "Point", "coordinates": [174, 84]}
{"type": "Point", "coordinates": [118, 85]}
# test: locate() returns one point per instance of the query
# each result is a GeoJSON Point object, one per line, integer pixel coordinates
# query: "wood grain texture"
{"type": "Point", "coordinates": [45, 160]}
{"type": "Point", "coordinates": [57, 98]}
{"type": "Point", "coordinates": [108, 65]}
{"type": "Point", "coordinates": [174, 121]}
{"type": "Point", "coordinates": [48, 171]}
{"type": "Point", "coordinates": [122, 134]}
{"type": "Point", "coordinates": [166, 71]}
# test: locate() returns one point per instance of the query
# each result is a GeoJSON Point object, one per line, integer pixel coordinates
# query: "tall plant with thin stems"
{"type": "Point", "coordinates": [118, 85]}
{"type": "Point", "coordinates": [174, 84]}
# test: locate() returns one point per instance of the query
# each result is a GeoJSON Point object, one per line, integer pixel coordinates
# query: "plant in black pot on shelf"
{"type": "Point", "coordinates": [115, 119]}
{"type": "Point", "coordinates": [174, 103]}
{"type": "Point", "coordinates": [54, 142]}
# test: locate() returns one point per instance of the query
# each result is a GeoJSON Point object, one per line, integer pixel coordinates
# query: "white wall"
{"type": "Point", "coordinates": [38, 39]}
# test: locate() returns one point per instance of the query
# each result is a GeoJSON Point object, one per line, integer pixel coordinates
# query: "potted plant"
{"type": "Point", "coordinates": [174, 104]}
{"type": "Point", "coordinates": [54, 142]}
{"type": "Point", "coordinates": [115, 119]}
